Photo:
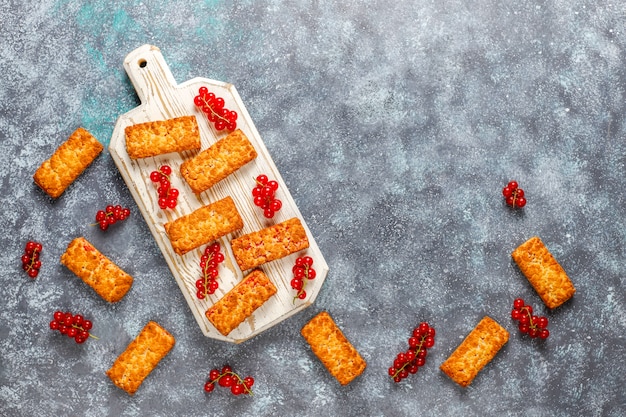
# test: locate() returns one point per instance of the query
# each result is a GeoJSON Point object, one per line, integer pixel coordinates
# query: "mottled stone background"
{"type": "Point", "coordinates": [395, 126]}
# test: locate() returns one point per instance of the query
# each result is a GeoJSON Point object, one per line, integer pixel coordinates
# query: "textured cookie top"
{"type": "Point", "coordinates": [476, 351]}
{"type": "Point", "coordinates": [68, 161]}
{"type": "Point", "coordinates": [204, 225]}
{"type": "Point", "coordinates": [96, 270]}
{"type": "Point", "coordinates": [543, 272]}
{"type": "Point", "coordinates": [140, 357]}
{"type": "Point", "coordinates": [162, 136]}
{"type": "Point", "coordinates": [218, 161]}
{"type": "Point", "coordinates": [240, 302]}
{"type": "Point", "coordinates": [331, 346]}
{"type": "Point", "coordinates": [269, 244]}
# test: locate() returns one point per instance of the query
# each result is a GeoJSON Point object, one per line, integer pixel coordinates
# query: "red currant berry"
{"type": "Point", "coordinates": [209, 386]}
{"type": "Point", "coordinates": [518, 303]}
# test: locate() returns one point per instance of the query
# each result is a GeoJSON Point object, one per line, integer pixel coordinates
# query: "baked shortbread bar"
{"type": "Point", "coordinates": [204, 225]}
{"type": "Point", "coordinates": [69, 160]}
{"type": "Point", "coordinates": [141, 356]}
{"type": "Point", "coordinates": [476, 351]}
{"type": "Point", "coordinates": [162, 136]}
{"type": "Point", "coordinates": [543, 272]}
{"type": "Point", "coordinates": [218, 161]}
{"type": "Point", "coordinates": [240, 302]}
{"type": "Point", "coordinates": [96, 270]}
{"type": "Point", "coordinates": [273, 242]}
{"type": "Point", "coordinates": [331, 346]}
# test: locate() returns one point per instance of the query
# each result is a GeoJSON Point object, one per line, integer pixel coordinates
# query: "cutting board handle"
{"type": "Point", "coordinates": [149, 73]}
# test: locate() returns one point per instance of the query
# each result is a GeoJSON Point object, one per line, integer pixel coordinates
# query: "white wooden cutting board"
{"type": "Point", "coordinates": [162, 98]}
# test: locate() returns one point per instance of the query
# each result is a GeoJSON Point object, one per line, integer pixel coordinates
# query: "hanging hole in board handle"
{"type": "Point", "coordinates": [142, 63]}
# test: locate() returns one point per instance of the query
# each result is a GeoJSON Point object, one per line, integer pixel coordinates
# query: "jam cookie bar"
{"type": "Point", "coordinates": [141, 356]}
{"type": "Point", "coordinates": [70, 159]}
{"type": "Point", "coordinates": [273, 242]}
{"type": "Point", "coordinates": [330, 345]}
{"type": "Point", "coordinates": [162, 136]}
{"type": "Point", "coordinates": [96, 270]}
{"type": "Point", "coordinates": [543, 272]}
{"type": "Point", "coordinates": [240, 302]}
{"type": "Point", "coordinates": [218, 161]}
{"type": "Point", "coordinates": [204, 225]}
{"type": "Point", "coordinates": [476, 351]}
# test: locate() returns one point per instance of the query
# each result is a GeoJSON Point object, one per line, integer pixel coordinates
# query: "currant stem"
{"type": "Point", "coordinates": [239, 380]}
{"type": "Point", "coordinates": [213, 111]}
{"type": "Point", "coordinates": [530, 318]}
{"type": "Point", "coordinates": [206, 276]}
{"type": "Point", "coordinates": [82, 329]}
{"type": "Point", "coordinates": [304, 280]}
{"type": "Point", "coordinates": [418, 350]}
{"type": "Point", "coordinates": [32, 260]}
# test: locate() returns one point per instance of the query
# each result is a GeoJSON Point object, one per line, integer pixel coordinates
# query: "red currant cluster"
{"type": "Point", "coordinates": [533, 326]}
{"type": "Point", "coordinates": [73, 326]}
{"type": "Point", "coordinates": [264, 194]}
{"type": "Point", "coordinates": [208, 263]}
{"type": "Point", "coordinates": [213, 107]}
{"type": "Point", "coordinates": [302, 271]}
{"type": "Point", "coordinates": [514, 196]}
{"type": "Point", "coordinates": [228, 379]}
{"type": "Point", "coordinates": [111, 215]}
{"type": "Point", "coordinates": [168, 195]}
{"type": "Point", "coordinates": [30, 259]}
{"type": "Point", "coordinates": [408, 362]}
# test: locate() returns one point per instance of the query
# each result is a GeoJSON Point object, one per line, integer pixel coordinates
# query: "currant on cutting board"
{"type": "Point", "coordinates": [228, 379]}
{"type": "Point", "coordinates": [302, 272]}
{"type": "Point", "coordinates": [73, 326]}
{"type": "Point", "coordinates": [213, 107]}
{"type": "Point", "coordinates": [30, 259]}
{"type": "Point", "coordinates": [406, 363]}
{"type": "Point", "coordinates": [532, 325]}
{"type": "Point", "coordinates": [513, 195]}
{"type": "Point", "coordinates": [209, 263]}
{"type": "Point", "coordinates": [264, 194]}
{"type": "Point", "coordinates": [168, 195]}
{"type": "Point", "coordinates": [111, 215]}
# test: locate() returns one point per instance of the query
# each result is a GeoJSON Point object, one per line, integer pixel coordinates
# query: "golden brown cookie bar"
{"type": "Point", "coordinates": [240, 302]}
{"type": "Point", "coordinates": [218, 161]}
{"type": "Point", "coordinates": [96, 270]}
{"type": "Point", "coordinates": [330, 345]}
{"type": "Point", "coordinates": [141, 356]}
{"type": "Point", "coordinates": [476, 351]}
{"type": "Point", "coordinates": [204, 225]}
{"type": "Point", "coordinates": [162, 136]}
{"type": "Point", "coordinates": [273, 242]}
{"type": "Point", "coordinates": [543, 272]}
{"type": "Point", "coordinates": [69, 160]}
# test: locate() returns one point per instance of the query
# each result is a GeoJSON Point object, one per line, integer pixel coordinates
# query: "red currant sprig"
{"type": "Point", "coordinates": [168, 195]}
{"type": "Point", "coordinates": [111, 215]}
{"type": "Point", "coordinates": [208, 263]}
{"type": "Point", "coordinates": [408, 362]}
{"type": "Point", "coordinates": [229, 379]}
{"type": "Point", "coordinates": [30, 259]}
{"type": "Point", "coordinates": [302, 272]}
{"type": "Point", "coordinates": [264, 194]}
{"type": "Point", "coordinates": [532, 325]}
{"type": "Point", "coordinates": [73, 326]}
{"type": "Point", "coordinates": [513, 195]}
{"type": "Point", "coordinates": [213, 107]}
